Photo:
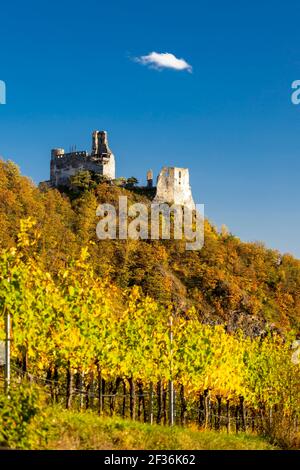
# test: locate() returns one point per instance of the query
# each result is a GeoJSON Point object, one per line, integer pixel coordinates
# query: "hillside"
{"type": "Point", "coordinates": [244, 285]}
{"type": "Point", "coordinates": [70, 430]}
{"type": "Point", "coordinates": [115, 326]}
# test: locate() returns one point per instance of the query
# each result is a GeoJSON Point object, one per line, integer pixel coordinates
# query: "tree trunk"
{"type": "Point", "coordinates": [159, 402]}
{"type": "Point", "coordinates": [49, 380]}
{"type": "Point", "coordinates": [253, 420]}
{"type": "Point", "coordinates": [132, 398]}
{"type": "Point", "coordinates": [228, 416]}
{"type": "Point", "coordinates": [100, 404]}
{"type": "Point", "coordinates": [165, 405]}
{"type": "Point", "coordinates": [79, 387]}
{"type": "Point", "coordinates": [111, 388]}
{"type": "Point", "coordinates": [201, 411]}
{"type": "Point", "coordinates": [207, 408]}
{"type": "Point", "coordinates": [242, 414]}
{"type": "Point", "coordinates": [124, 400]}
{"type": "Point", "coordinates": [141, 402]}
{"type": "Point", "coordinates": [103, 394]}
{"type": "Point", "coordinates": [182, 406]}
{"type": "Point", "coordinates": [237, 419]}
{"type": "Point", "coordinates": [114, 393]}
{"type": "Point", "coordinates": [24, 361]}
{"type": "Point", "coordinates": [219, 411]}
{"type": "Point", "coordinates": [151, 403]}
{"type": "Point", "coordinates": [87, 396]}
{"type": "Point", "coordinates": [92, 389]}
{"type": "Point", "coordinates": [55, 383]}
{"type": "Point", "coordinates": [69, 387]}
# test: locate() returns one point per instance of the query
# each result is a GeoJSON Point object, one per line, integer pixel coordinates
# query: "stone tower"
{"type": "Point", "coordinates": [101, 151]}
{"type": "Point", "coordinates": [173, 187]}
{"type": "Point", "coordinates": [149, 179]}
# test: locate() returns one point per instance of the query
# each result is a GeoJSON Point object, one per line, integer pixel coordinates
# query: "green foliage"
{"type": "Point", "coordinates": [81, 306]}
{"type": "Point", "coordinates": [85, 180]}
{"type": "Point", "coordinates": [131, 182]}
{"type": "Point", "coordinates": [85, 431]}
{"type": "Point", "coordinates": [82, 180]}
{"type": "Point", "coordinates": [121, 181]}
{"type": "Point", "coordinates": [17, 411]}
{"type": "Point", "coordinates": [89, 325]}
{"type": "Point", "coordinates": [242, 284]}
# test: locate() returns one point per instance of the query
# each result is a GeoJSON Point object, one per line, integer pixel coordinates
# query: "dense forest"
{"type": "Point", "coordinates": [242, 285]}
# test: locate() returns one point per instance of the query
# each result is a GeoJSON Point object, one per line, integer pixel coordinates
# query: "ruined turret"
{"type": "Point", "coordinates": [100, 143]}
{"type": "Point", "coordinates": [149, 179]}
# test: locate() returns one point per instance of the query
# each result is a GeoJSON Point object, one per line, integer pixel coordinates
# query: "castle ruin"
{"type": "Point", "coordinates": [64, 165]}
{"type": "Point", "coordinates": [173, 186]}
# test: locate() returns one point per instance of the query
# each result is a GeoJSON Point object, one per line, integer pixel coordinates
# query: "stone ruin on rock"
{"type": "Point", "coordinates": [173, 186]}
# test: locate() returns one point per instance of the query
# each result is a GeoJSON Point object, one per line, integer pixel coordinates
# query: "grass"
{"type": "Point", "coordinates": [85, 430]}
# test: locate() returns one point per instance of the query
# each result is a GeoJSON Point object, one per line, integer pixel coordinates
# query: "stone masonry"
{"type": "Point", "coordinates": [101, 160]}
{"type": "Point", "coordinates": [173, 187]}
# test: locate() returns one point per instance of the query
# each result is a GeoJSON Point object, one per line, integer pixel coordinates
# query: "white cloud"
{"type": "Point", "coordinates": [160, 60]}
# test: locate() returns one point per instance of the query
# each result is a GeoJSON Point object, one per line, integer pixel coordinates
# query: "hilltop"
{"type": "Point", "coordinates": [241, 284]}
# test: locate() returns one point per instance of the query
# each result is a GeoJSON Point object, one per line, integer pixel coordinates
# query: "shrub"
{"type": "Point", "coordinates": [17, 410]}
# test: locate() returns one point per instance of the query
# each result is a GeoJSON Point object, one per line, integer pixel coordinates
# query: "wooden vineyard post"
{"type": "Point", "coordinates": [124, 400]}
{"type": "Point", "coordinates": [206, 407]}
{"type": "Point", "coordinates": [100, 407]}
{"type": "Point", "coordinates": [151, 402]}
{"type": "Point", "coordinates": [69, 386]}
{"type": "Point", "coordinates": [183, 406]}
{"type": "Point", "coordinates": [159, 402]}
{"type": "Point", "coordinates": [219, 411]}
{"type": "Point", "coordinates": [132, 398]}
{"type": "Point", "coordinates": [228, 416]}
{"type": "Point", "coordinates": [7, 353]}
{"type": "Point", "coordinates": [243, 414]}
{"type": "Point", "coordinates": [164, 403]}
{"type": "Point", "coordinates": [201, 410]}
{"type": "Point", "coordinates": [171, 383]}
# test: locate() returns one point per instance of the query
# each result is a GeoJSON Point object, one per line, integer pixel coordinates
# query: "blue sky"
{"type": "Point", "coordinates": [68, 69]}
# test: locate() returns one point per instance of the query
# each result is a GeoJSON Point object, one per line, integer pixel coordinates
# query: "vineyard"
{"type": "Point", "coordinates": [94, 345]}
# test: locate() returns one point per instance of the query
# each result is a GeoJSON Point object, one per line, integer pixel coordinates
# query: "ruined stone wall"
{"type": "Point", "coordinates": [109, 167]}
{"type": "Point", "coordinates": [64, 166]}
{"type": "Point", "coordinates": [173, 187]}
